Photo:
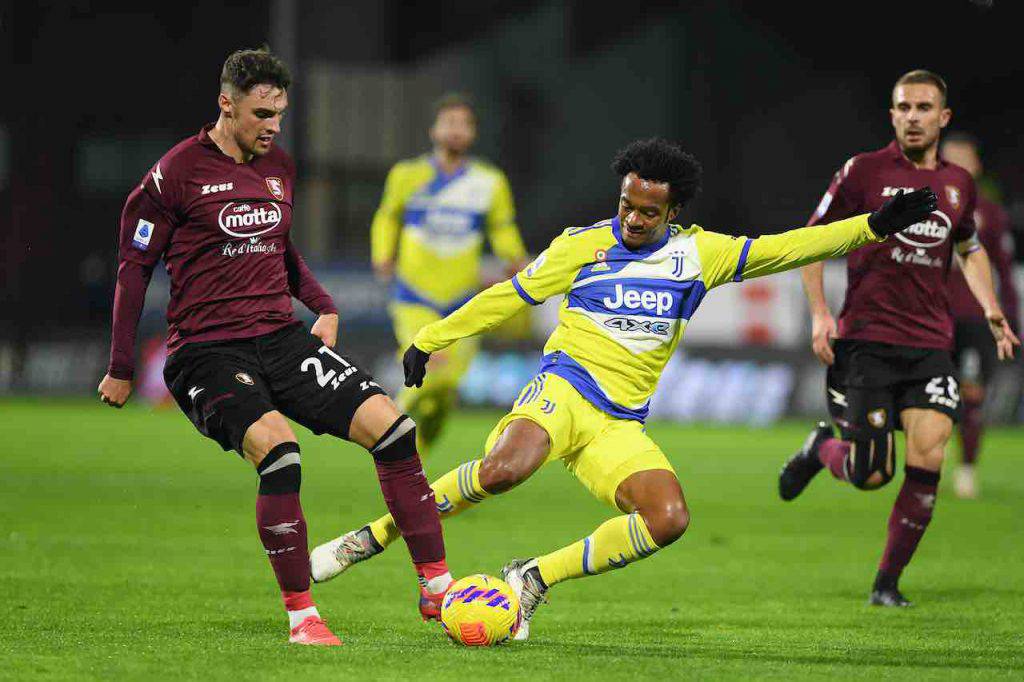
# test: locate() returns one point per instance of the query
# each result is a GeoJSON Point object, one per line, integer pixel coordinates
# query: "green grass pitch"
{"type": "Point", "coordinates": [128, 551]}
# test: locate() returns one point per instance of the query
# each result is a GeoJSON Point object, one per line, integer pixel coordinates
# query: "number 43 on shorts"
{"type": "Point", "coordinates": [943, 391]}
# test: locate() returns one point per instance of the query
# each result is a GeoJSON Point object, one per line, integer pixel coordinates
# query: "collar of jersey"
{"type": "Point", "coordinates": [644, 250]}
{"type": "Point", "coordinates": [897, 154]}
{"type": "Point", "coordinates": [441, 179]}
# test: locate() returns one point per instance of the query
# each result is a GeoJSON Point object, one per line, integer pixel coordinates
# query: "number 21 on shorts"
{"type": "Point", "coordinates": [331, 377]}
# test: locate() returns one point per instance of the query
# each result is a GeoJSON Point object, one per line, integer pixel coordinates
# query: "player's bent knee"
{"type": "Point", "coordinates": [872, 459]}
{"type": "Point", "coordinates": [667, 522]}
{"type": "Point", "coordinates": [264, 435]}
{"type": "Point", "coordinates": [501, 473]}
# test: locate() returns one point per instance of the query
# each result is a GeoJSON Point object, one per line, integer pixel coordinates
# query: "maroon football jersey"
{"type": "Point", "coordinates": [222, 229]}
{"type": "Point", "coordinates": [897, 290]}
{"type": "Point", "coordinates": [994, 234]}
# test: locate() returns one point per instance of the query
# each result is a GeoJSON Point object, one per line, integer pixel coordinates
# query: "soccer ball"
{"type": "Point", "coordinates": [480, 610]}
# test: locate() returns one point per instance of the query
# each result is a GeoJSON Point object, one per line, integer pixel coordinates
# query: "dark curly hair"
{"type": "Point", "coordinates": [658, 160]}
{"type": "Point", "coordinates": [245, 68]}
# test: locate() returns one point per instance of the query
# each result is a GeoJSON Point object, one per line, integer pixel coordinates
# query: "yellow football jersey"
{"type": "Point", "coordinates": [625, 310]}
{"type": "Point", "coordinates": [436, 223]}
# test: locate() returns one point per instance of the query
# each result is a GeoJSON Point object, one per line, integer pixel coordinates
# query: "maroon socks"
{"type": "Point", "coordinates": [832, 454]}
{"type": "Point", "coordinates": [909, 519]}
{"type": "Point", "coordinates": [280, 522]}
{"type": "Point", "coordinates": [970, 431]}
{"type": "Point", "coordinates": [408, 494]}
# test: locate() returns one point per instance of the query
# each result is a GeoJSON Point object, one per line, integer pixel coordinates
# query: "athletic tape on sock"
{"type": "Point", "coordinates": [281, 470]}
{"type": "Point", "coordinates": [398, 442]}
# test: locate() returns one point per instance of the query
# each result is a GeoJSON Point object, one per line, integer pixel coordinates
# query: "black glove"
{"type": "Point", "coordinates": [414, 362]}
{"type": "Point", "coordinates": [903, 210]}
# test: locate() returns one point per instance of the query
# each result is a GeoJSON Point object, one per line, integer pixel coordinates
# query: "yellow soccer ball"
{"type": "Point", "coordinates": [480, 610]}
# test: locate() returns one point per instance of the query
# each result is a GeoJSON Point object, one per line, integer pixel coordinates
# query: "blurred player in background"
{"type": "Point", "coordinates": [630, 285]}
{"type": "Point", "coordinates": [891, 366]}
{"type": "Point", "coordinates": [217, 208]}
{"type": "Point", "coordinates": [427, 237]}
{"type": "Point", "coordinates": [974, 353]}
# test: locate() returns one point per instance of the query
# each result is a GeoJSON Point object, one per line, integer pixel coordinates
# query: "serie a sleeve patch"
{"type": "Point", "coordinates": [143, 234]}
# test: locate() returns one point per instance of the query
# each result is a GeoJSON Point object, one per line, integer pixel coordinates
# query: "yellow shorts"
{"type": "Point", "coordinates": [446, 367]}
{"type": "Point", "coordinates": [600, 450]}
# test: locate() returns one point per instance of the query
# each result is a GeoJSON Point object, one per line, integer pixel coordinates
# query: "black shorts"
{"type": "Point", "coordinates": [870, 383]}
{"type": "Point", "coordinates": [225, 386]}
{"type": "Point", "coordinates": [974, 351]}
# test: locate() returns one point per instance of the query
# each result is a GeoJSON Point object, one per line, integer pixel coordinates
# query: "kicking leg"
{"type": "Point", "coordinates": [927, 434]}
{"type": "Point", "coordinates": [625, 468]}
{"type": "Point", "coordinates": [514, 455]}
{"type": "Point", "coordinates": [391, 439]}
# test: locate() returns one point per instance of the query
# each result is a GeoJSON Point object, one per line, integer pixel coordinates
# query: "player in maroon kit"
{"type": "Point", "coordinates": [218, 209]}
{"type": "Point", "coordinates": [890, 367]}
{"type": "Point", "coordinates": [974, 354]}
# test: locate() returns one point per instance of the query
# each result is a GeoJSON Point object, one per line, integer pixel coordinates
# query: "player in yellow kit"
{"type": "Point", "coordinates": [426, 239]}
{"type": "Point", "coordinates": [630, 284]}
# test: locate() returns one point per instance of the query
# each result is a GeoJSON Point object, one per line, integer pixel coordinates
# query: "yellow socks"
{"type": "Point", "coordinates": [455, 491]}
{"type": "Point", "coordinates": [615, 543]}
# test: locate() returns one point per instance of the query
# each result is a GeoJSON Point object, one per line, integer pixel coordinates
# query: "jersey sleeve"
{"type": "Point", "coordinates": [841, 200]}
{"type": "Point", "coordinates": [146, 227]}
{"type": "Point", "coordinates": [965, 234]}
{"type": "Point", "coordinates": [483, 312]}
{"type": "Point", "coordinates": [387, 221]}
{"type": "Point", "coordinates": [733, 259]}
{"type": "Point", "coordinates": [303, 285]}
{"type": "Point", "coordinates": [143, 236]}
{"type": "Point", "coordinates": [550, 273]}
{"type": "Point", "coordinates": [502, 231]}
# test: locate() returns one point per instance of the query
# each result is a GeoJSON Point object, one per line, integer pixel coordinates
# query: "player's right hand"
{"type": "Point", "coordinates": [114, 392]}
{"type": "Point", "coordinates": [414, 362]}
{"type": "Point", "coordinates": [823, 330]}
{"type": "Point", "coordinates": [903, 210]}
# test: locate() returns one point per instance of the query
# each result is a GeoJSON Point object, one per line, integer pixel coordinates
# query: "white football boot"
{"type": "Point", "coordinates": [328, 560]}
{"type": "Point", "coordinates": [523, 576]}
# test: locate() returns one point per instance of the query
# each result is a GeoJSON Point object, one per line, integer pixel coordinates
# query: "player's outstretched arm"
{"type": "Point", "coordinates": [779, 252]}
{"type": "Point", "coordinates": [977, 270]}
{"type": "Point", "coordinates": [483, 312]}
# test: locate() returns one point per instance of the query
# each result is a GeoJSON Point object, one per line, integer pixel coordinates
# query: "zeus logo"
{"type": "Point", "coordinates": [658, 301]}
{"type": "Point", "coordinates": [628, 324]}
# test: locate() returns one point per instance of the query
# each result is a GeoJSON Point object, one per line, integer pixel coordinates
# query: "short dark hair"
{"type": "Point", "coordinates": [923, 76]}
{"type": "Point", "coordinates": [659, 160]}
{"type": "Point", "coordinates": [244, 69]}
{"type": "Point", "coordinates": [452, 100]}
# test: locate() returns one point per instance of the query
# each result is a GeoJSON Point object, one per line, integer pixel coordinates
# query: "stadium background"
{"type": "Point", "coordinates": [127, 540]}
{"type": "Point", "coordinates": [772, 97]}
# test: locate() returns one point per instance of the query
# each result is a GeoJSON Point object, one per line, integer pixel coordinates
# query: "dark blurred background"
{"type": "Point", "coordinates": [772, 97]}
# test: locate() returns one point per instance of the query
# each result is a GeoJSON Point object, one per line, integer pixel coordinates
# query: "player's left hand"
{"type": "Point", "coordinates": [1004, 336]}
{"type": "Point", "coordinates": [326, 329]}
{"type": "Point", "coordinates": [414, 362]}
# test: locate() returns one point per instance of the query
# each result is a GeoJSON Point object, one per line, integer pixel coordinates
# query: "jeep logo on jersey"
{"type": "Point", "coordinates": [928, 233]}
{"type": "Point", "coordinates": [658, 302]}
{"type": "Point", "coordinates": [628, 324]}
{"type": "Point", "coordinates": [249, 219]}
